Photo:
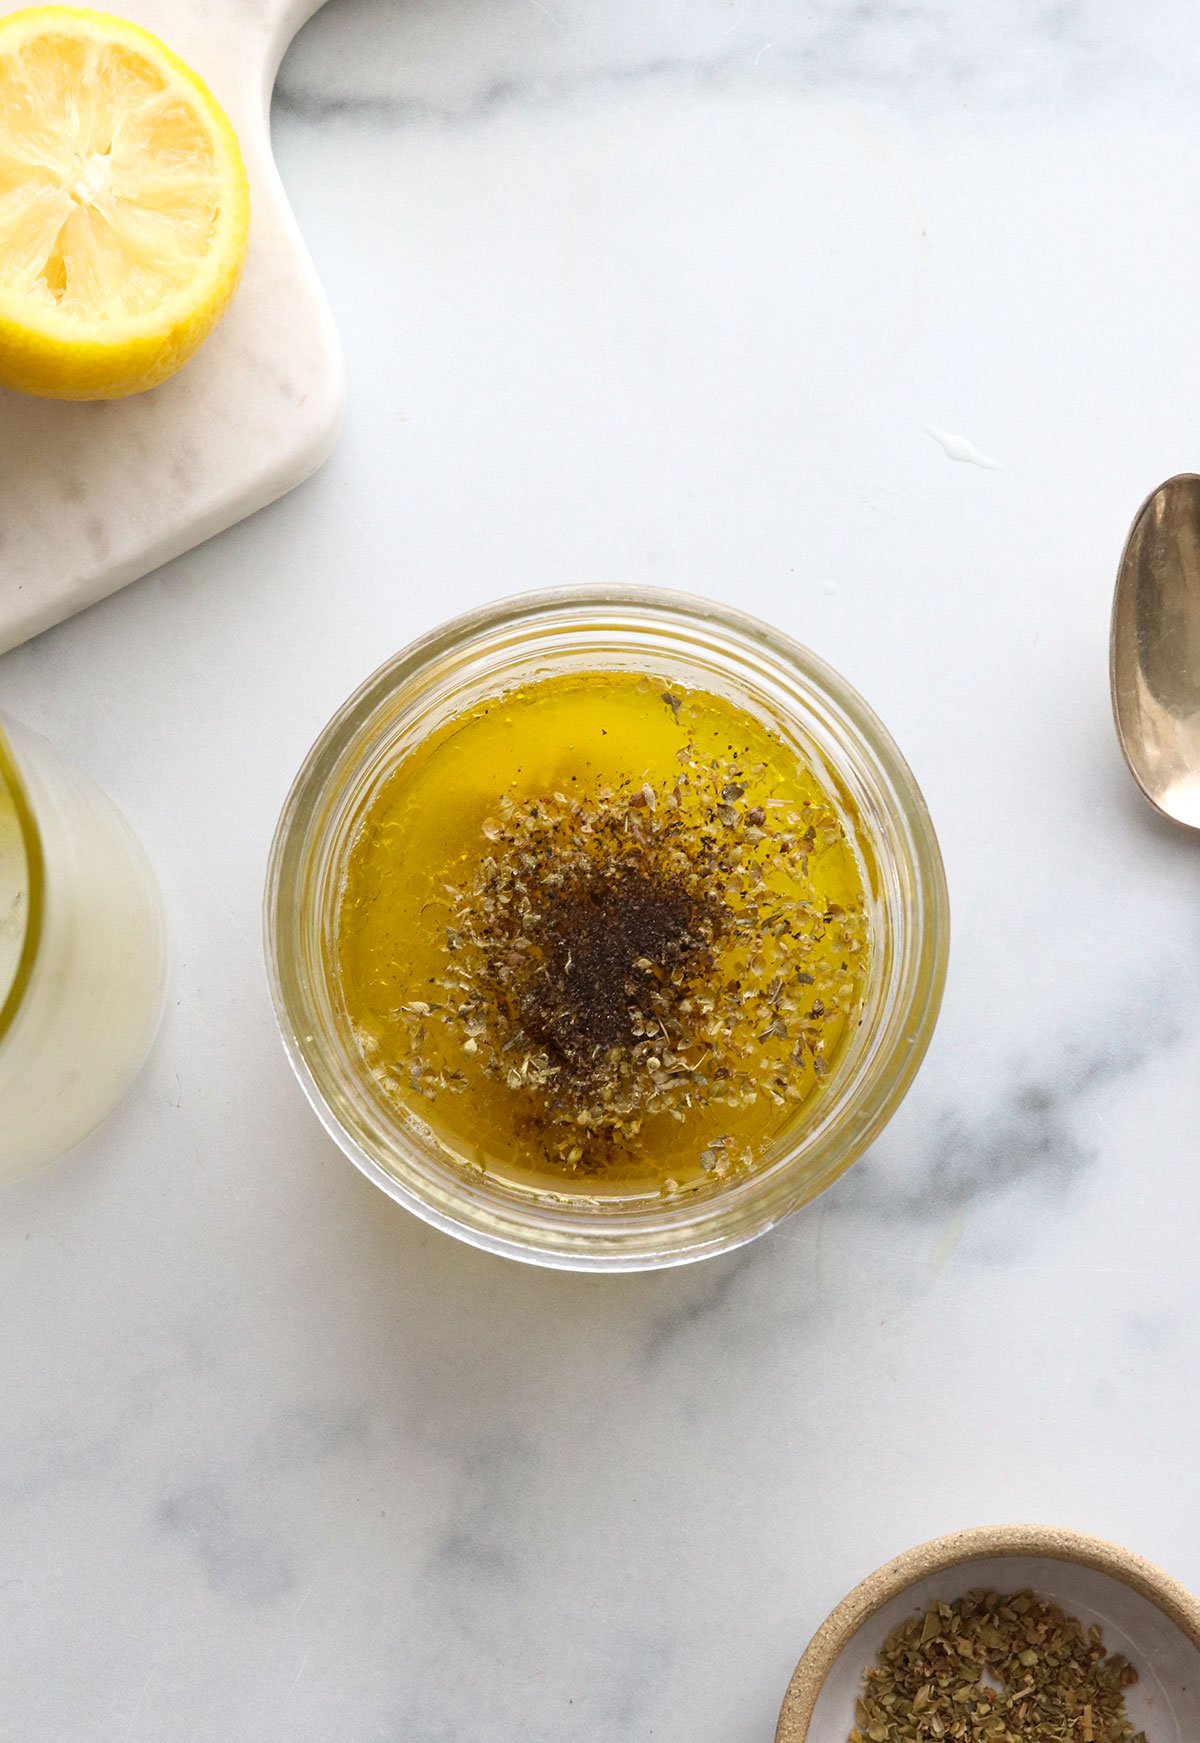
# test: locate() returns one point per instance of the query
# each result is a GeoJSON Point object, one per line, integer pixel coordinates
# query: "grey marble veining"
{"type": "Point", "coordinates": [459, 62]}
{"type": "Point", "coordinates": [672, 294]}
{"type": "Point", "coordinates": [1021, 1129]}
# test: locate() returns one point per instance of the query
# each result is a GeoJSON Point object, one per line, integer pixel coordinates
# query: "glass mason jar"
{"type": "Point", "coordinates": [82, 954]}
{"type": "Point", "coordinates": [685, 641]}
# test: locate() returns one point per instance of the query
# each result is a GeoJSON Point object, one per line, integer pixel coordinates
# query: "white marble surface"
{"type": "Point", "coordinates": [663, 292]}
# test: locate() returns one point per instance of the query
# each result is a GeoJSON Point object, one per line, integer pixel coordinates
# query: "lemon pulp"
{"type": "Point", "coordinates": [123, 206]}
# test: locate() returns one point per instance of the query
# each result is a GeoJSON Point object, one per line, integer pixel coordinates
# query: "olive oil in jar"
{"type": "Point", "coordinates": [602, 935]}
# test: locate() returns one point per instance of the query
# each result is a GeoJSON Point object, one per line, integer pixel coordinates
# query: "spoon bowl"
{"type": "Point", "coordinates": [1155, 649]}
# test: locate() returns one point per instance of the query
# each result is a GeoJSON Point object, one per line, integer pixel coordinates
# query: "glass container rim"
{"type": "Point", "coordinates": [13, 782]}
{"type": "Point", "coordinates": [654, 604]}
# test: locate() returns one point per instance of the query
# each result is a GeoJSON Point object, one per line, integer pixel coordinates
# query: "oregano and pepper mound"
{"type": "Point", "coordinates": [992, 1669]}
{"type": "Point", "coordinates": [633, 951]}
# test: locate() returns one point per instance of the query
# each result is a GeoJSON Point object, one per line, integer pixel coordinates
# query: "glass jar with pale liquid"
{"type": "Point", "coordinates": [82, 954]}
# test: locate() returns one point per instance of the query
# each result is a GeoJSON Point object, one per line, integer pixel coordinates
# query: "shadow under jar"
{"type": "Point", "coordinates": [680, 654]}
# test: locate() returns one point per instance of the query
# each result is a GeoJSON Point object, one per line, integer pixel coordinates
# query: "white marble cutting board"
{"type": "Point", "coordinates": [94, 495]}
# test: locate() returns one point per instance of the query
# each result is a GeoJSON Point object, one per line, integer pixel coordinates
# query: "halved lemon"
{"type": "Point", "coordinates": [124, 207]}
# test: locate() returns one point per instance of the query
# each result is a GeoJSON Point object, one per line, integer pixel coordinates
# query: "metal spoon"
{"type": "Point", "coordinates": [1154, 662]}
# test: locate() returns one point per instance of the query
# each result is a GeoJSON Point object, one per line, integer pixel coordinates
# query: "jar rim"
{"type": "Point", "coordinates": [673, 1234]}
{"type": "Point", "coordinates": [12, 782]}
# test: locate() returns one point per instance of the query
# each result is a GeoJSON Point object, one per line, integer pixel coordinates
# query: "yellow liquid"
{"type": "Point", "coordinates": [13, 898]}
{"type": "Point", "coordinates": [425, 837]}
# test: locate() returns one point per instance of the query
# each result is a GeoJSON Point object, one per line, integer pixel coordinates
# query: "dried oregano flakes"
{"type": "Point", "coordinates": [991, 1669]}
{"type": "Point", "coordinates": [631, 951]}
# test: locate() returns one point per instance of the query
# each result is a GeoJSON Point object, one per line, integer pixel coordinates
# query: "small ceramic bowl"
{"type": "Point", "coordinates": [1144, 1614]}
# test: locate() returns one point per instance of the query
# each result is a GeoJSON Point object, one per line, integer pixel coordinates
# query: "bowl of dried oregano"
{"type": "Point", "coordinates": [1007, 1634]}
